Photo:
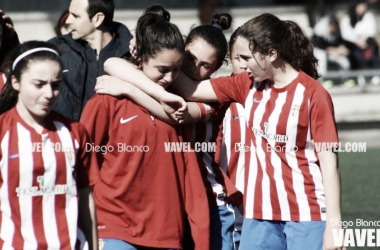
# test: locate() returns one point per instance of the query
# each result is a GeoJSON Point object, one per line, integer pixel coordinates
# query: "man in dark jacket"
{"type": "Point", "coordinates": [94, 38]}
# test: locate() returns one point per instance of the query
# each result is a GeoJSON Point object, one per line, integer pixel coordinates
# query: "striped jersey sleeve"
{"type": "Point", "coordinates": [232, 135]}
{"type": "Point", "coordinates": [232, 88]}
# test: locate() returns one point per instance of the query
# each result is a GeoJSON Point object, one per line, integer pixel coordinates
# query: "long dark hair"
{"type": "Point", "coordinates": [6, 44]}
{"type": "Point", "coordinates": [354, 19]}
{"type": "Point", "coordinates": [213, 34]}
{"type": "Point", "coordinates": [267, 31]}
{"type": "Point", "coordinates": [9, 96]}
{"type": "Point", "coordinates": [154, 32]}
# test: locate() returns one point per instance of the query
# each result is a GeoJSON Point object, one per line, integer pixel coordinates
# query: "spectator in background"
{"type": "Point", "coordinates": [315, 9]}
{"type": "Point", "coordinates": [62, 28]}
{"type": "Point", "coordinates": [329, 46]}
{"type": "Point", "coordinates": [94, 38]}
{"type": "Point", "coordinates": [8, 36]}
{"type": "Point", "coordinates": [358, 26]}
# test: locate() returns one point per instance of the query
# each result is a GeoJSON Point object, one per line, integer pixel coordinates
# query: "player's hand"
{"type": "Point", "coordinates": [110, 85]}
{"type": "Point", "coordinates": [180, 116]}
{"type": "Point", "coordinates": [361, 42]}
{"type": "Point", "coordinates": [173, 104]}
{"type": "Point", "coordinates": [328, 239]}
{"type": "Point", "coordinates": [132, 47]}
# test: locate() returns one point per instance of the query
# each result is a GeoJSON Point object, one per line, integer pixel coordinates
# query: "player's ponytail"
{"type": "Point", "coordinates": [267, 32]}
{"type": "Point", "coordinates": [213, 35]}
{"type": "Point", "coordinates": [154, 32]}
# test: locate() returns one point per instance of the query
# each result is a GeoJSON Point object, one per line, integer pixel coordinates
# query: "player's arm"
{"type": "Point", "coordinates": [331, 183]}
{"type": "Point", "coordinates": [199, 91]}
{"type": "Point", "coordinates": [87, 217]}
{"type": "Point", "coordinates": [196, 91]}
{"type": "Point", "coordinates": [116, 87]}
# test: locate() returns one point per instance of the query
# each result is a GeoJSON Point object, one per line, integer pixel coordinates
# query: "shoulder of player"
{"type": "Point", "coordinates": [76, 129]}
{"type": "Point", "coordinates": [108, 102]}
{"type": "Point", "coordinates": [66, 121]}
{"type": "Point", "coordinates": [7, 120]}
{"type": "Point", "coordinates": [312, 86]}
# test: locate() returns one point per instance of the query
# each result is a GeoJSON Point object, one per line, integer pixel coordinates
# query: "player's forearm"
{"type": "Point", "coordinates": [193, 90]}
{"type": "Point", "coordinates": [144, 100]}
{"type": "Point", "coordinates": [331, 183]}
{"type": "Point", "coordinates": [127, 71]}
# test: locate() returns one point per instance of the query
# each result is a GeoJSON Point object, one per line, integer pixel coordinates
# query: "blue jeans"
{"type": "Point", "coordinates": [222, 227]}
{"type": "Point", "coordinates": [282, 235]}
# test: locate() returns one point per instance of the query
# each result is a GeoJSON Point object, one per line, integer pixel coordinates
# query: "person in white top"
{"type": "Point", "coordinates": [358, 26]}
{"type": "Point", "coordinates": [329, 46]}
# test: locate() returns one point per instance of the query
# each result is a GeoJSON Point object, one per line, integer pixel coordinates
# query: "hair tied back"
{"type": "Point", "coordinates": [217, 26]}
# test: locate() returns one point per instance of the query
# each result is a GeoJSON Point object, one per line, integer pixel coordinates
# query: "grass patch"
{"type": "Point", "coordinates": [360, 174]}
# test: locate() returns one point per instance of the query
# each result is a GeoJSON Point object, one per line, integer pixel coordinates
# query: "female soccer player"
{"type": "Point", "coordinates": [205, 51]}
{"type": "Point", "coordinates": [287, 205]}
{"type": "Point", "coordinates": [146, 186]}
{"type": "Point", "coordinates": [43, 161]}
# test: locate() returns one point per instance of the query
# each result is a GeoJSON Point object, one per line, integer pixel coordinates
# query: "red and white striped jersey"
{"type": "Point", "coordinates": [232, 134]}
{"type": "Point", "coordinates": [283, 179]}
{"type": "Point", "coordinates": [39, 179]}
{"type": "Point", "coordinates": [231, 158]}
{"type": "Point", "coordinates": [219, 188]}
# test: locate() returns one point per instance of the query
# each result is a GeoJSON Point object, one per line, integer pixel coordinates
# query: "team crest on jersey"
{"type": "Point", "coordinates": [40, 180]}
{"type": "Point", "coordinates": [294, 110]}
{"type": "Point", "coordinates": [266, 125]}
{"type": "Point", "coordinates": [42, 189]}
{"type": "Point", "coordinates": [69, 152]}
{"type": "Point", "coordinates": [269, 136]}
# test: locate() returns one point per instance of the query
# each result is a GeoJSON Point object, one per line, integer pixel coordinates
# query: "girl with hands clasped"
{"type": "Point", "coordinates": [44, 164]}
{"type": "Point", "coordinates": [292, 190]}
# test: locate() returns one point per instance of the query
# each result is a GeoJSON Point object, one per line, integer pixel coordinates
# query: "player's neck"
{"type": "Point", "coordinates": [99, 40]}
{"type": "Point", "coordinates": [284, 76]}
{"type": "Point", "coordinates": [37, 123]}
